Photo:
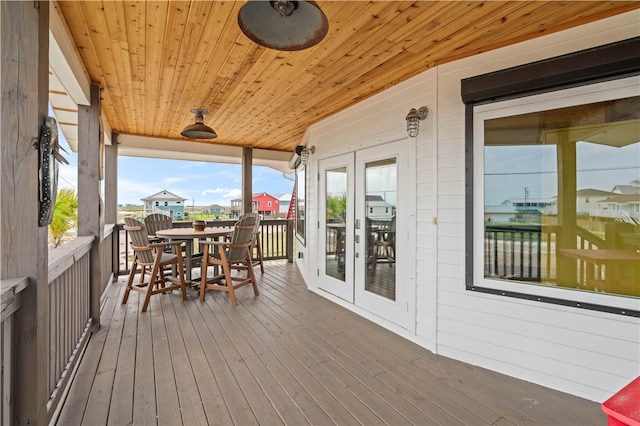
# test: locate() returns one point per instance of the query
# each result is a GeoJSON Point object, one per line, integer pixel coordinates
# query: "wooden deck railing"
{"type": "Point", "coordinates": [514, 252]}
{"type": "Point", "coordinates": [529, 252]}
{"type": "Point", "coordinates": [276, 240]}
{"type": "Point", "coordinates": [10, 298]}
{"type": "Point", "coordinates": [68, 317]}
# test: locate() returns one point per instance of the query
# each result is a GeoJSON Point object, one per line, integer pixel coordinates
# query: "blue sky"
{"type": "Point", "coordinates": [511, 169]}
{"type": "Point", "coordinates": [201, 183]}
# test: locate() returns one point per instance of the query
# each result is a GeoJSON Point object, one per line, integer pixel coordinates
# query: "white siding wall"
{"type": "Point", "coordinates": [587, 353]}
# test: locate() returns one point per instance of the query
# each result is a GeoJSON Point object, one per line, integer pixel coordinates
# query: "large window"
{"type": "Point", "coordinates": [557, 186]}
{"type": "Point", "coordinates": [553, 180]}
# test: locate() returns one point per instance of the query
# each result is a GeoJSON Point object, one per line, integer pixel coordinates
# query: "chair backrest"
{"type": "Point", "coordinates": [391, 235]}
{"type": "Point", "coordinates": [251, 216]}
{"type": "Point", "coordinates": [139, 238]}
{"type": "Point", "coordinates": [157, 222]}
{"type": "Point", "coordinates": [243, 232]}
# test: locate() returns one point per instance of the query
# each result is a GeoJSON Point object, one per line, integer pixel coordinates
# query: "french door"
{"type": "Point", "coordinates": [367, 223]}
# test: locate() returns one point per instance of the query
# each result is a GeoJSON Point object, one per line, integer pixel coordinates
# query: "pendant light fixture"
{"type": "Point", "coordinates": [283, 25]}
{"type": "Point", "coordinates": [199, 130]}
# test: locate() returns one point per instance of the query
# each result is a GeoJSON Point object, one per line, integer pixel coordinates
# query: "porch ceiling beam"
{"type": "Point", "coordinates": [176, 149]}
{"type": "Point", "coordinates": [64, 61]}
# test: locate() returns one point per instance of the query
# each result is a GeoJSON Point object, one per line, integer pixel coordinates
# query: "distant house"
{"type": "Point", "coordinates": [632, 188]}
{"type": "Point", "coordinates": [499, 213]}
{"type": "Point", "coordinates": [622, 202]}
{"type": "Point", "coordinates": [261, 203]}
{"type": "Point", "coordinates": [527, 205]}
{"type": "Point", "coordinates": [378, 208]}
{"type": "Point", "coordinates": [588, 201]}
{"type": "Point", "coordinates": [165, 202]}
{"type": "Point", "coordinates": [285, 201]}
{"type": "Point", "coordinates": [216, 209]}
{"type": "Point", "coordinates": [622, 206]}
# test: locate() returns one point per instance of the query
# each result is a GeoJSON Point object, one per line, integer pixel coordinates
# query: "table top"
{"type": "Point", "coordinates": [601, 255]}
{"type": "Point", "coordinates": [192, 233]}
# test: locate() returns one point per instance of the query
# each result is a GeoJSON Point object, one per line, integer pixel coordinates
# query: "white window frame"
{"type": "Point", "coordinates": [591, 93]}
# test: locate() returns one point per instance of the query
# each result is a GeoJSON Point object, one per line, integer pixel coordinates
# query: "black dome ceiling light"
{"type": "Point", "coordinates": [199, 130]}
{"type": "Point", "coordinates": [283, 25]}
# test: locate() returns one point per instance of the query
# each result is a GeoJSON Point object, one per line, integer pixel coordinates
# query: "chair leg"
{"type": "Point", "coordinates": [229, 282]}
{"type": "Point", "coordinates": [203, 272]}
{"type": "Point", "coordinates": [154, 282]}
{"type": "Point", "coordinates": [252, 276]}
{"type": "Point", "coordinates": [132, 274]}
{"type": "Point", "coordinates": [180, 272]}
{"type": "Point", "coordinates": [259, 250]}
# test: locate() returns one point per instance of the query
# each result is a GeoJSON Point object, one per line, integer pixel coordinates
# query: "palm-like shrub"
{"type": "Point", "coordinates": [336, 207]}
{"type": "Point", "coordinates": [65, 216]}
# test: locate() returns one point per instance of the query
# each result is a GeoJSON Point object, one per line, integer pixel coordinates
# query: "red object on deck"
{"type": "Point", "coordinates": [291, 214]}
{"type": "Point", "coordinates": [623, 408]}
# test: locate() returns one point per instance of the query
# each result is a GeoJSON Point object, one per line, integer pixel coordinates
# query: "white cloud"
{"type": "Point", "coordinates": [172, 180]}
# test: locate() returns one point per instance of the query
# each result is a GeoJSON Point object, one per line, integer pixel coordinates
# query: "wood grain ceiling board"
{"type": "Point", "coordinates": [156, 60]}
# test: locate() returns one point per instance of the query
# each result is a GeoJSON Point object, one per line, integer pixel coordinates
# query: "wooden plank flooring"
{"type": "Point", "coordinates": [290, 357]}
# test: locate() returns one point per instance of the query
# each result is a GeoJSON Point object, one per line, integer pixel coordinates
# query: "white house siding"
{"type": "Point", "coordinates": [586, 353]}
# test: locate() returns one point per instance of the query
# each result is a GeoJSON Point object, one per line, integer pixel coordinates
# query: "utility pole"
{"type": "Point", "coordinates": [526, 203]}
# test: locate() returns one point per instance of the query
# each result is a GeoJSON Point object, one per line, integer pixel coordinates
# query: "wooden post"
{"type": "Point", "coordinates": [90, 208]}
{"type": "Point", "coordinates": [247, 176]}
{"type": "Point", "coordinates": [25, 85]}
{"type": "Point", "coordinates": [566, 238]}
{"type": "Point", "coordinates": [111, 197]}
{"type": "Point", "coordinates": [111, 181]}
{"type": "Point", "coordinates": [290, 233]}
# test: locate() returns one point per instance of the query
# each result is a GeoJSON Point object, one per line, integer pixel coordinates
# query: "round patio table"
{"type": "Point", "coordinates": [191, 234]}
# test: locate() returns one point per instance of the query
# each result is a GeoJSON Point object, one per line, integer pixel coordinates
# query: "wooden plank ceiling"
{"type": "Point", "coordinates": [156, 60]}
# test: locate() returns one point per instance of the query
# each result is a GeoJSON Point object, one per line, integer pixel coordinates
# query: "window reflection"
{"type": "Point", "coordinates": [562, 197]}
{"type": "Point", "coordinates": [380, 230]}
{"type": "Point", "coordinates": [335, 232]}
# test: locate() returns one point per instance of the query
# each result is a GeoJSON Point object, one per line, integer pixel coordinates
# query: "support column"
{"type": "Point", "coordinates": [24, 77]}
{"type": "Point", "coordinates": [111, 181]}
{"type": "Point", "coordinates": [90, 207]}
{"type": "Point", "coordinates": [247, 176]}
{"type": "Point", "coordinates": [568, 230]}
{"type": "Point", "coordinates": [111, 198]}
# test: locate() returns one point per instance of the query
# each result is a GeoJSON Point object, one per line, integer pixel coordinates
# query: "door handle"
{"type": "Point", "coordinates": [356, 238]}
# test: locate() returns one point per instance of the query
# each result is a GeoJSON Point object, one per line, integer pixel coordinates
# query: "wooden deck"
{"type": "Point", "coordinates": [287, 356]}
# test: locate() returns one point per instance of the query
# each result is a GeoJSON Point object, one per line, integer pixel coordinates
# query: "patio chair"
{"type": "Point", "coordinates": [258, 260]}
{"type": "Point", "coordinates": [157, 222]}
{"type": "Point", "coordinates": [233, 255]}
{"type": "Point", "coordinates": [153, 262]}
{"type": "Point", "coordinates": [385, 245]}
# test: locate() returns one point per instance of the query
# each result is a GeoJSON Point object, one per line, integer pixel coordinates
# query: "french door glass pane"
{"type": "Point", "coordinates": [335, 229]}
{"type": "Point", "coordinates": [381, 190]}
